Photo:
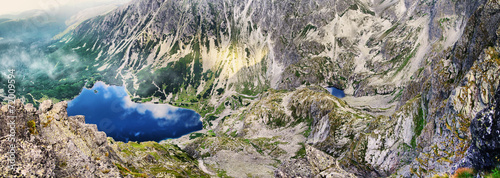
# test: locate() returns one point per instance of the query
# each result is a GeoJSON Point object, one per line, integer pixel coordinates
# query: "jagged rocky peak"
{"type": "Point", "coordinates": [414, 72]}
{"type": "Point", "coordinates": [413, 67]}
{"type": "Point", "coordinates": [364, 47]}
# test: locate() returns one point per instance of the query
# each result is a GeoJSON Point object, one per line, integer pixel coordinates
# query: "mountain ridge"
{"type": "Point", "coordinates": [415, 74]}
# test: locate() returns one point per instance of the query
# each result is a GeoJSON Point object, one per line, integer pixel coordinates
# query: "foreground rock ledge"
{"type": "Point", "coordinates": [51, 144]}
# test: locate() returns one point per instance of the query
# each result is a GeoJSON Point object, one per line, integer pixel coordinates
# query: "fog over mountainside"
{"type": "Point", "coordinates": [26, 39]}
{"type": "Point", "coordinates": [415, 75]}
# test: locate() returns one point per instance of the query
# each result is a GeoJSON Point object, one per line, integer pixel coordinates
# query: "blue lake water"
{"type": "Point", "coordinates": [336, 92]}
{"type": "Point", "coordinates": [111, 109]}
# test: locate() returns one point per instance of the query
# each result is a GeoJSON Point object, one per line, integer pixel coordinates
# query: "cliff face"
{"type": "Point", "coordinates": [48, 143]}
{"type": "Point", "coordinates": [483, 152]}
{"type": "Point", "coordinates": [462, 81]}
{"type": "Point", "coordinates": [206, 49]}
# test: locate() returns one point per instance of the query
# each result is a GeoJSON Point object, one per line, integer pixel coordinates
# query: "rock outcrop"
{"type": "Point", "coordinates": [415, 74]}
{"type": "Point", "coordinates": [484, 151]}
{"type": "Point", "coordinates": [316, 163]}
{"type": "Point", "coordinates": [48, 143]}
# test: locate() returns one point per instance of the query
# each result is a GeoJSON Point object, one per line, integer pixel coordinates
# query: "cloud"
{"type": "Point", "coordinates": [188, 120]}
{"type": "Point", "coordinates": [106, 90]}
{"type": "Point", "coordinates": [100, 84]}
{"type": "Point", "coordinates": [159, 111]}
{"type": "Point", "coordinates": [107, 95]}
{"type": "Point", "coordinates": [32, 61]}
{"type": "Point", "coordinates": [137, 134]}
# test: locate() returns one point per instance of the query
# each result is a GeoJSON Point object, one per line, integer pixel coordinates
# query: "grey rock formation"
{"type": "Point", "coordinates": [365, 47]}
{"type": "Point", "coordinates": [316, 163]}
{"type": "Point", "coordinates": [484, 151]}
{"type": "Point", "coordinates": [48, 143]}
{"type": "Point", "coordinates": [429, 66]}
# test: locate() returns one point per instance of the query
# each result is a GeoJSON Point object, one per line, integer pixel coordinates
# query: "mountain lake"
{"type": "Point", "coordinates": [112, 110]}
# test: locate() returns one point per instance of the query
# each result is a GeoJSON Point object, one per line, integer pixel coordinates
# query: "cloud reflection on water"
{"type": "Point", "coordinates": [112, 109]}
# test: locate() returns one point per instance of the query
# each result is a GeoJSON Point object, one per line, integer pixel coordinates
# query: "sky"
{"type": "Point", "coordinates": [18, 6]}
